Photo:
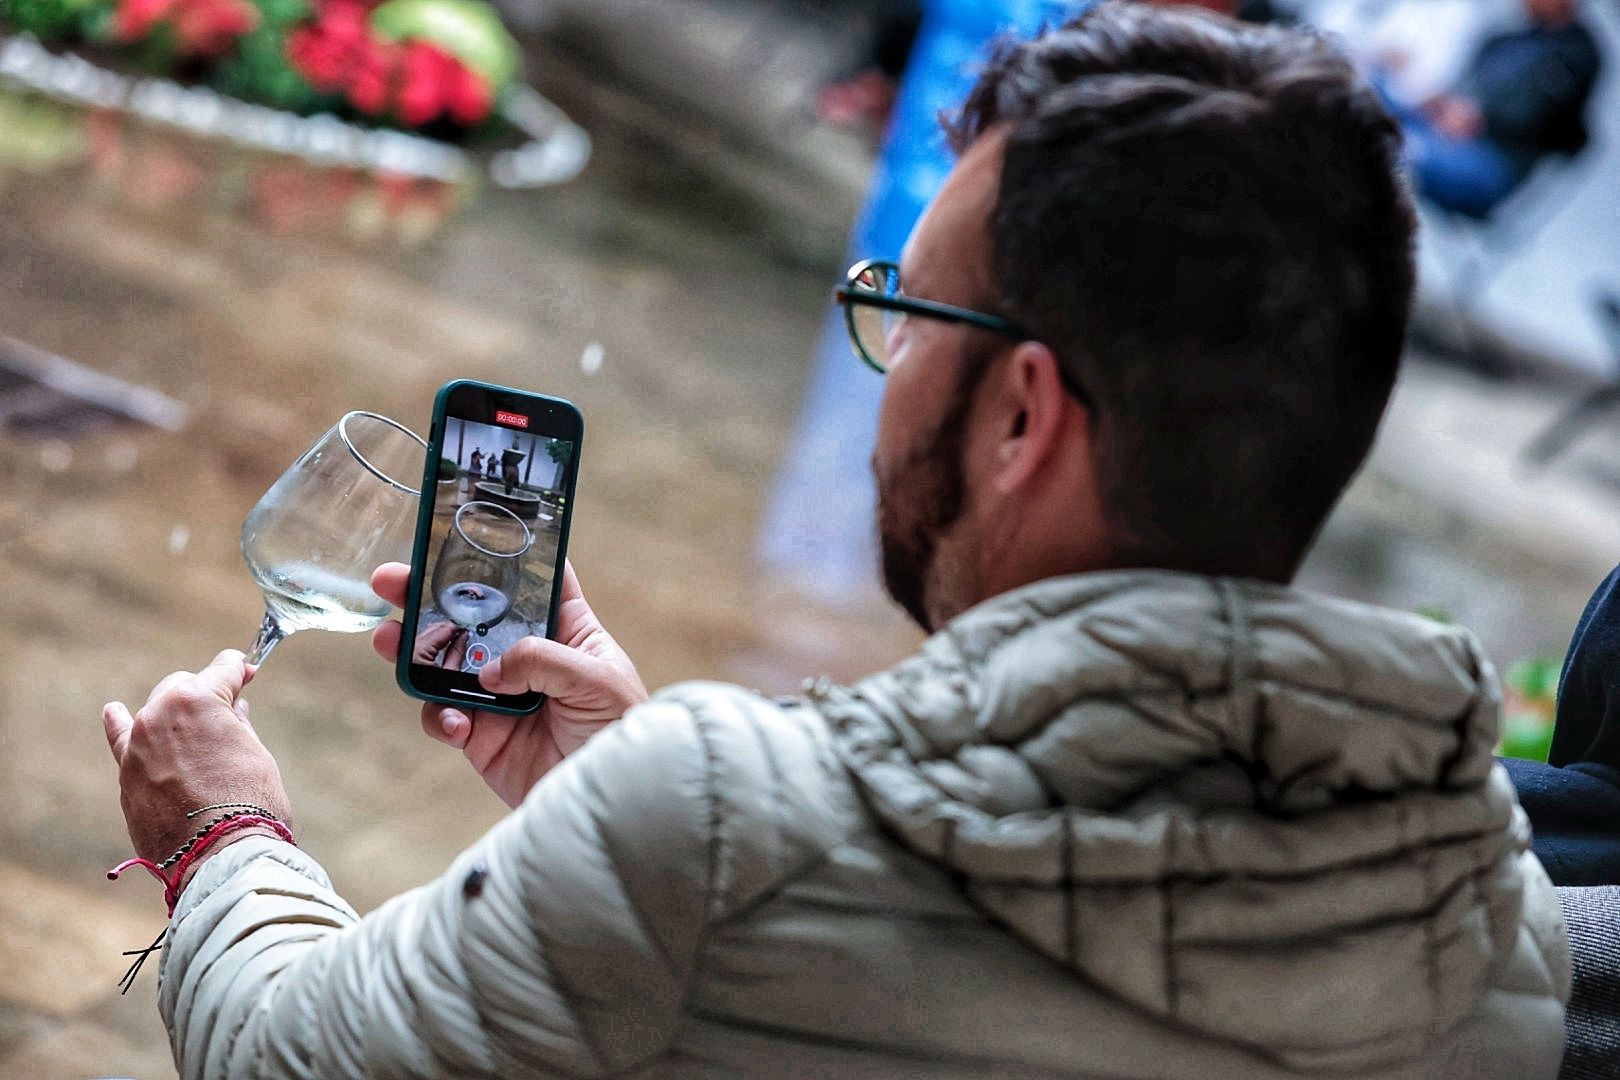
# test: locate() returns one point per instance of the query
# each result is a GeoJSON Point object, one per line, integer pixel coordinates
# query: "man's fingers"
{"type": "Point", "coordinates": [571, 589]}
{"type": "Point", "coordinates": [166, 684]}
{"type": "Point", "coordinates": [389, 580]}
{"type": "Point", "coordinates": [456, 655]}
{"type": "Point", "coordinates": [116, 722]}
{"type": "Point", "coordinates": [536, 663]}
{"type": "Point", "coordinates": [385, 639]}
{"type": "Point", "coordinates": [449, 726]}
{"type": "Point", "coordinates": [431, 640]}
{"type": "Point", "coordinates": [225, 675]}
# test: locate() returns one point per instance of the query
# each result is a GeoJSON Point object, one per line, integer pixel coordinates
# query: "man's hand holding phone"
{"type": "Point", "coordinates": [588, 681]}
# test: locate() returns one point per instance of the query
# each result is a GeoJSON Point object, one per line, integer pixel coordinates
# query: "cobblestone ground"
{"type": "Point", "coordinates": [119, 561]}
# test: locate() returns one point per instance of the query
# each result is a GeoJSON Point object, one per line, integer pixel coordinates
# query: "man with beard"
{"type": "Point", "coordinates": [1136, 808]}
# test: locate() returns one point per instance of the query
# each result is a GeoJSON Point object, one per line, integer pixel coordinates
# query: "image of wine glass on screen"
{"type": "Point", "coordinates": [343, 508]}
{"type": "Point", "coordinates": [475, 585]}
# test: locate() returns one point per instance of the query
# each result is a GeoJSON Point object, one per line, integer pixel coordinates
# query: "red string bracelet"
{"type": "Point", "coordinates": [224, 827]}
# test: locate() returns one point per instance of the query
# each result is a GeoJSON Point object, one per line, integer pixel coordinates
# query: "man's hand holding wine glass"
{"type": "Point", "coordinates": [191, 746]}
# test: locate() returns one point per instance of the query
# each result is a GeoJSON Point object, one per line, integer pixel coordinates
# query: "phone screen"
{"type": "Point", "coordinates": [494, 539]}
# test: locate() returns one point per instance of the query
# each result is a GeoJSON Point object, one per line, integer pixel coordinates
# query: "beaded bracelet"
{"type": "Point", "coordinates": [191, 841]}
{"type": "Point", "coordinates": [245, 817]}
{"type": "Point", "coordinates": [193, 848]}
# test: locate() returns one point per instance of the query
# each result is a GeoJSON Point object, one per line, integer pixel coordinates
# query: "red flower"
{"type": "Point", "coordinates": [417, 80]}
{"type": "Point", "coordinates": [315, 56]}
{"type": "Point", "coordinates": [201, 27]}
{"type": "Point", "coordinates": [372, 77]}
{"type": "Point", "coordinates": [470, 96]}
{"type": "Point", "coordinates": [210, 27]}
{"type": "Point", "coordinates": [425, 74]}
{"type": "Point", "coordinates": [345, 21]}
{"type": "Point", "coordinates": [338, 54]}
{"type": "Point", "coordinates": [134, 19]}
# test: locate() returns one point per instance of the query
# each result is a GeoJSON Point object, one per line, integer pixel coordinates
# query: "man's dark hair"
{"type": "Point", "coordinates": [1206, 222]}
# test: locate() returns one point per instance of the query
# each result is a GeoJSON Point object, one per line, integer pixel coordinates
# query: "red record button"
{"type": "Point", "coordinates": [477, 656]}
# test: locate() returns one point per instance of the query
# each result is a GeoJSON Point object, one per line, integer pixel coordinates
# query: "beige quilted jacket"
{"type": "Point", "coordinates": [1113, 825]}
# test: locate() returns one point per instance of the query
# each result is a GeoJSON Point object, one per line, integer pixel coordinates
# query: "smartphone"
{"type": "Point", "coordinates": [491, 536]}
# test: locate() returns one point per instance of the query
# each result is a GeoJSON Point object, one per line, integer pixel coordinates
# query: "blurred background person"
{"type": "Point", "coordinates": [866, 95]}
{"type": "Point", "coordinates": [1507, 108]}
{"type": "Point", "coordinates": [1520, 98]}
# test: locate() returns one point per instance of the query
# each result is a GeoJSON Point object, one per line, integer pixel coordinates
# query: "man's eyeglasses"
{"type": "Point", "coordinates": [873, 303]}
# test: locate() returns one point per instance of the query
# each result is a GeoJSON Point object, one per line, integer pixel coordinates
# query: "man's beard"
{"type": "Point", "coordinates": [921, 497]}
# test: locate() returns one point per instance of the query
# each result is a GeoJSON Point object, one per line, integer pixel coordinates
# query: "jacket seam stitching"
{"type": "Point", "coordinates": [712, 922]}
{"type": "Point", "coordinates": [1218, 876]}
{"type": "Point", "coordinates": [711, 801]}
{"type": "Point", "coordinates": [1071, 946]}
{"type": "Point", "coordinates": [1195, 696]}
{"type": "Point", "coordinates": [809, 865]}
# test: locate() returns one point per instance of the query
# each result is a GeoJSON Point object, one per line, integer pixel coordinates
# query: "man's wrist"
{"type": "Point", "coordinates": [220, 845]}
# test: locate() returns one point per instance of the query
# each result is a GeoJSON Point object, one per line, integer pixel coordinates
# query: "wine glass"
{"type": "Point", "coordinates": [480, 566]}
{"type": "Point", "coordinates": [315, 537]}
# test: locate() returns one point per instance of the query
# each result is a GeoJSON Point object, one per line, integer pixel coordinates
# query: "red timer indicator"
{"type": "Point", "coordinates": [511, 419]}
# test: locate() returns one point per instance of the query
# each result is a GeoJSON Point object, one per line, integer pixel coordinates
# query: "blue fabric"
{"type": "Point", "coordinates": [818, 525]}
{"type": "Point", "coordinates": [1574, 801]}
{"type": "Point", "coordinates": [1533, 86]}
{"type": "Point", "coordinates": [1466, 176]}
{"type": "Point", "coordinates": [1574, 817]}
{"type": "Point", "coordinates": [1589, 689]}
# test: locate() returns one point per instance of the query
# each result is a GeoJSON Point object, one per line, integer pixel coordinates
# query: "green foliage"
{"type": "Point", "coordinates": [1531, 702]}
{"type": "Point", "coordinates": [560, 450]}
{"type": "Point", "coordinates": [48, 20]}
{"type": "Point", "coordinates": [1525, 735]}
{"type": "Point", "coordinates": [281, 14]}
{"type": "Point", "coordinates": [1535, 677]}
{"type": "Point", "coordinates": [259, 70]}
{"type": "Point", "coordinates": [447, 469]}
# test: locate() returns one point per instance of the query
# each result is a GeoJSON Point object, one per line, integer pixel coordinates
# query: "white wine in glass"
{"type": "Point", "coordinates": [346, 506]}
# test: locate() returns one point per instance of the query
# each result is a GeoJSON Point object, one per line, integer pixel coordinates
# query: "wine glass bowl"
{"type": "Point", "coordinates": [480, 566]}
{"type": "Point", "coordinates": [344, 507]}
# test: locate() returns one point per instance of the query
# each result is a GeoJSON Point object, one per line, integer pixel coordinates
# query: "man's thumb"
{"type": "Point", "coordinates": [117, 723]}
{"type": "Point", "coordinates": [535, 663]}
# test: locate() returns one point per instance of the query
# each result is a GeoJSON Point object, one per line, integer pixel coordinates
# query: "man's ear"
{"type": "Point", "coordinates": [1032, 415]}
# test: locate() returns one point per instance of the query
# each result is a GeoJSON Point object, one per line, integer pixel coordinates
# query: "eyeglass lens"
{"type": "Point", "coordinates": [873, 324]}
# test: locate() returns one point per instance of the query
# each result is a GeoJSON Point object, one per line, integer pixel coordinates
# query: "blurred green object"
{"type": "Point", "coordinates": [1529, 708]}
{"type": "Point", "coordinates": [259, 70]}
{"type": "Point", "coordinates": [469, 30]}
{"type": "Point", "coordinates": [50, 20]}
{"type": "Point", "coordinates": [1525, 735]}
{"type": "Point", "coordinates": [38, 135]}
{"type": "Point", "coordinates": [447, 469]}
{"type": "Point", "coordinates": [1534, 677]}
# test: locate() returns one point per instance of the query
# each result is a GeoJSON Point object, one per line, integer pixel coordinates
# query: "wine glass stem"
{"type": "Point", "coordinates": [270, 634]}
